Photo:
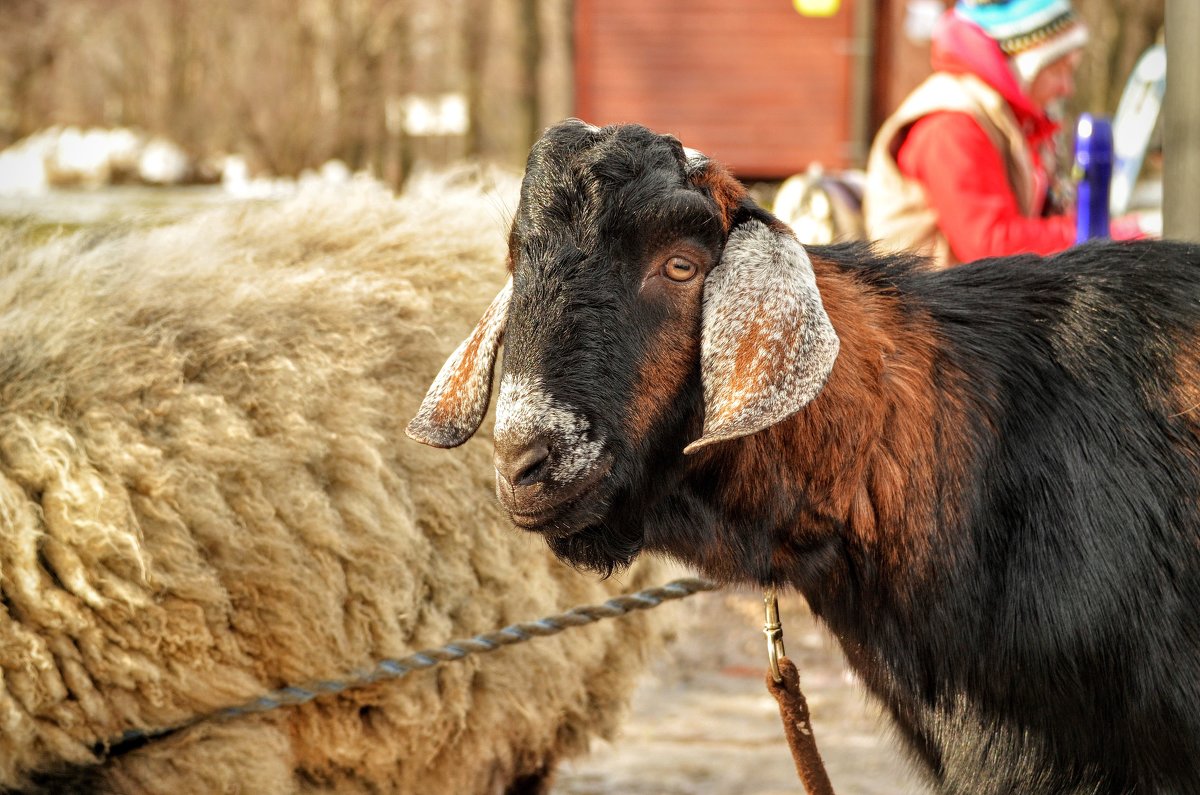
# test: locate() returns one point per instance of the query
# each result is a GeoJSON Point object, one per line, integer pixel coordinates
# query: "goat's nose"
{"type": "Point", "coordinates": [523, 465]}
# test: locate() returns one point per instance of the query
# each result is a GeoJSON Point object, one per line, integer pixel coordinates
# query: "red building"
{"type": "Point", "coordinates": [752, 83]}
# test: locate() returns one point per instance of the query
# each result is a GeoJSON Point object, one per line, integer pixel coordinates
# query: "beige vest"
{"type": "Point", "coordinates": [895, 209]}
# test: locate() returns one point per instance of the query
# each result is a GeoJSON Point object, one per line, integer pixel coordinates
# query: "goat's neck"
{"type": "Point", "coordinates": [851, 493]}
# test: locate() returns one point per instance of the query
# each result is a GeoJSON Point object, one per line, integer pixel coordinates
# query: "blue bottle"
{"type": "Point", "coordinates": [1094, 166]}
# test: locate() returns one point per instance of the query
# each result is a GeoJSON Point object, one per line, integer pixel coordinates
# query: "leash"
{"type": "Point", "coordinates": [388, 669]}
{"type": "Point", "coordinates": [783, 679]}
{"type": "Point", "coordinates": [783, 682]}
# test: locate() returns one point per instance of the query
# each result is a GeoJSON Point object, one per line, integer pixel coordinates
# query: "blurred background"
{"type": "Point", "coordinates": [238, 89]}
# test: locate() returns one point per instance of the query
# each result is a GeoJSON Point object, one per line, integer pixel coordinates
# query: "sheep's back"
{"type": "Point", "coordinates": [207, 494]}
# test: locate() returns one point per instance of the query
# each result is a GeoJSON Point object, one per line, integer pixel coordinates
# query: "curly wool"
{"type": "Point", "coordinates": [206, 493]}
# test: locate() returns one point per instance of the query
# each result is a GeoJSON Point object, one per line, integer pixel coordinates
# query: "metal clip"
{"type": "Point", "coordinates": [774, 632]}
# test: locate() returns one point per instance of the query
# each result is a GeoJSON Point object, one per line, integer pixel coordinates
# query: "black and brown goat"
{"type": "Point", "coordinates": [985, 481]}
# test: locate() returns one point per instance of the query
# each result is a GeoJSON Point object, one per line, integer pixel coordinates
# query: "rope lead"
{"type": "Point", "coordinates": [394, 669]}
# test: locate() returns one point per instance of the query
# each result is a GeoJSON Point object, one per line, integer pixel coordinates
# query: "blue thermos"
{"type": "Point", "coordinates": [1093, 166]}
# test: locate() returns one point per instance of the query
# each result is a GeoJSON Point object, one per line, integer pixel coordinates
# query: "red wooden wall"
{"type": "Point", "coordinates": [749, 82]}
{"type": "Point", "coordinates": [900, 64]}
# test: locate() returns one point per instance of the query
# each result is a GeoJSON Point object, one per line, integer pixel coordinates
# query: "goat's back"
{"type": "Point", "coordinates": [1068, 589]}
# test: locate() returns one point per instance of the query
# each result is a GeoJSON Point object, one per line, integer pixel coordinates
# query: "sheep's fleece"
{"type": "Point", "coordinates": [206, 493]}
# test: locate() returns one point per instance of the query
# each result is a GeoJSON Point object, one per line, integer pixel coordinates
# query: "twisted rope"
{"type": "Point", "coordinates": [395, 668]}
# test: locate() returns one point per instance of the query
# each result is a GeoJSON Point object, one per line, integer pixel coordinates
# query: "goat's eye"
{"type": "Point", "coordinates": [679, 269]}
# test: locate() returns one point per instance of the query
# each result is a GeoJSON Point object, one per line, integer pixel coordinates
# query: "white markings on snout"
{"type": "Point", "coordinates": [525, 410]}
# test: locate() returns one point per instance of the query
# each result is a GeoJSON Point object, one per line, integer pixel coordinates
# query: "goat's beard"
{"type": "Point", "coordinates": [598, 548]}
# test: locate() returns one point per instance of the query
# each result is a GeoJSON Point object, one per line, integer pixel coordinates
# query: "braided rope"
{"type": "Point", "coordinates": [395, 668]}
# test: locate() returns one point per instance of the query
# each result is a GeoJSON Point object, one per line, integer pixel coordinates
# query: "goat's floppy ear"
{"type": "Point", "coordinates": [455, 405]}
{"type": "Point", "coordinates": [767, 346]}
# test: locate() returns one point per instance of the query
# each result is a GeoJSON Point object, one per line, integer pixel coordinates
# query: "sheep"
{"type": "Point", "coordinates": [206, 495]}
{"type": "Point", "coordinates": [983, 480]}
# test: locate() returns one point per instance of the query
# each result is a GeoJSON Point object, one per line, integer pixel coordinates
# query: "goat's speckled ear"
{"type": "Point", "coordinates": [767, 346]}
{"type": "Point", "coordinates": [455, 405]}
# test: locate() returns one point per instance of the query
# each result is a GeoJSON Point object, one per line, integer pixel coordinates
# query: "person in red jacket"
{"type": "Point", "coordinates": [965, 168]}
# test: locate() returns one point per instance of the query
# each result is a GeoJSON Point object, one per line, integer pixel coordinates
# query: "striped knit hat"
{"type": "Point", "coordinates": [1032, 33]}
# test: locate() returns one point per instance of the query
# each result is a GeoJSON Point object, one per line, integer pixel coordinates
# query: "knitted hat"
{"type": "Point", "coordinates": [1032, 33]}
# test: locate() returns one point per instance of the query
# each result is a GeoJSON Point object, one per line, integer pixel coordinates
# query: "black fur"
{"type": "Point", "coordinates": [571, 238]}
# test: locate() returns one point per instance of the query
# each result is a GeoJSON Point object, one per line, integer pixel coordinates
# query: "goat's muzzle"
{"type": "Point", "coordinates": [534, 499]}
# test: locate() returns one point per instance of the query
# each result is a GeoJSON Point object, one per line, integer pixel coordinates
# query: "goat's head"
{"type": "Point", "coordinates": [652, 309]}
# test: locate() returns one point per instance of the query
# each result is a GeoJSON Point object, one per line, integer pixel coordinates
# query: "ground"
{"type": "Point", "coordinates": [703, 723]}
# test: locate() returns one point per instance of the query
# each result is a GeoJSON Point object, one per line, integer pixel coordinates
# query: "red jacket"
{"type": "Point", "coordinates": [961, 170]}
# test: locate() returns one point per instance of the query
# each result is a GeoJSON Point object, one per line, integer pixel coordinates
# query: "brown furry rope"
{"type": "Point", "coordinates": [793, 709]}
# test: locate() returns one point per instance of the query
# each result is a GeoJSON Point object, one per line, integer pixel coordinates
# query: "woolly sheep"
{"type": "Point", "coordinates": [983, 480]}
{"type": "Point", "coordinates": [206, 494]}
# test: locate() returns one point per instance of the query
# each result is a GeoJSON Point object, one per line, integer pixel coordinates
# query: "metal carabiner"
{"type": "Point", "coordinates": [773, 629]}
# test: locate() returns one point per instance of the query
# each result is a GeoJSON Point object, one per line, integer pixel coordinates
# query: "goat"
{"type": "Point", "coordinates": [985, 481]}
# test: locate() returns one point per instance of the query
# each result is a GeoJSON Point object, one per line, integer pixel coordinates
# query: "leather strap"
{"type": "Point", "coordinates": [793, 709]}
